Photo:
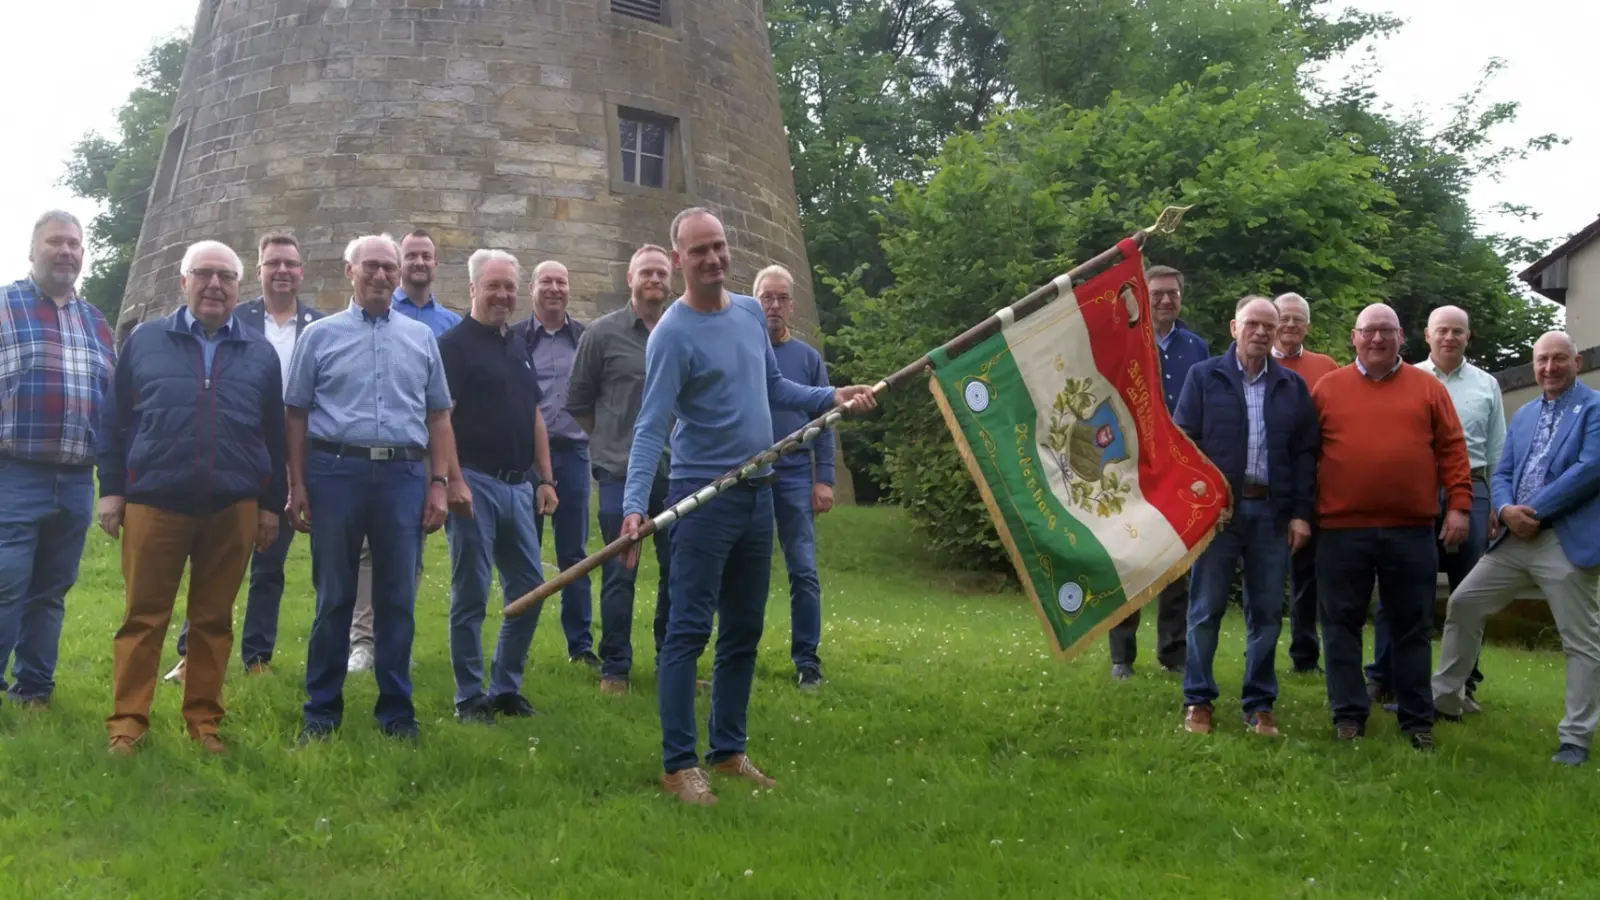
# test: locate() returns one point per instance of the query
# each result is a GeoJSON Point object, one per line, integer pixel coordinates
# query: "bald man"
{"type": "Point", "coordinates": [1254, 419]}
{"type": "Point", "coordinates": [1476, 395]}
{"type": "Point", "coordinates": [551, 336]}
{"type": "Point", "coordinates": [1289, 349]}
{"type": "Point", "coordinates": [1391, 446]}
{"type": "Point", "coordinates": [1546, 490]}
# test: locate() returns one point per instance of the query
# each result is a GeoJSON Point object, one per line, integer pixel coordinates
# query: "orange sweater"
{"type": "Point", "coordinates": [1308, 365]}
{"type": "Point", "coordinates": [1387, 449]}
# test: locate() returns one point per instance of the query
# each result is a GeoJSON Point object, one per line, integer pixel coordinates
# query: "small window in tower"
{"type": "Point", "coordinates": [171, 158]}
{"type": "Point", "coordinates": [644, 143]}
{"type": "Point", "coordinates": [648, 10]}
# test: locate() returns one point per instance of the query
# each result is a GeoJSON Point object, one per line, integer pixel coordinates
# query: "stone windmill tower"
{"type": "Point", "coordinates": [565, 129]}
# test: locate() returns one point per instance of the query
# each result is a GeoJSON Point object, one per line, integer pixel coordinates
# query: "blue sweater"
{"type": "Point", "coordinates": [1212, 411]}
{"type": "Point", "coordinates": [716, 374]}
{"type": "Point", "coordinates": [188, 438]}
{"type": "Point", "coordinates": [801, 363]}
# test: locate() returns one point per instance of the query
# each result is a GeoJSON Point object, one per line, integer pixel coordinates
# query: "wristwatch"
{"type": "Point", "coordinates": [546, 481]}
{"type": "Point", "coordinates": [441, 479]}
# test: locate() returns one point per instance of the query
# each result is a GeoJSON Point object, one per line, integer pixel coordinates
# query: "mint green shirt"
{"type": "Point", "coordinates": [1478, 405]}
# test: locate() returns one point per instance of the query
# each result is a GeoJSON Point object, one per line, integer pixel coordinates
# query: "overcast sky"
{"type": "Point", "coordinates": [62, 89]}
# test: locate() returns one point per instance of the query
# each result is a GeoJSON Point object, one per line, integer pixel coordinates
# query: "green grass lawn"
{"type": "Point", "coordinates": [947, 756]}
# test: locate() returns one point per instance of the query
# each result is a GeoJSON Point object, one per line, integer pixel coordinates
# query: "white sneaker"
{"type": "Point", "coordinates": [360, 658]}
{"type": "Point", "coordinates": [176, 675]}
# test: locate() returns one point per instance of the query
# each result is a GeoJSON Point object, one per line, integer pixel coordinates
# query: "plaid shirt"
{"type": "Point", "coordinates": [55, 366]}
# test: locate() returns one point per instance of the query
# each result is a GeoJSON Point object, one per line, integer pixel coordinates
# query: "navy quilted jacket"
{"type": "Point", "coordinates": [189, 441]}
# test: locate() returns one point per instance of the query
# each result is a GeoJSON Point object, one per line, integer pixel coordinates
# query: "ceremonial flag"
{"type": "Point", "coordinates": [1101, 501]}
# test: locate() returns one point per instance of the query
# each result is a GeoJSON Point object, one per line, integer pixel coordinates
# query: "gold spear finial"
{"type": "Point", "coordinates": [1167, 222]}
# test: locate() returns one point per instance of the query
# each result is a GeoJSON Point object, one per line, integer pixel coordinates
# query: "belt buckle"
{"type": "Point", "coordinates": [382, 454]}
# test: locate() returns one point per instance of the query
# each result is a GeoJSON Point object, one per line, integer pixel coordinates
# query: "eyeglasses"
{"type": "Point", "coordinates": [282, 264]}
{"type": "Point", "coordinates": [1372, 331]}
{"type": "Point", "coordinates": [226, 276]}
{"type": "Point", "coordinates": [1293, 320]}
{"type": "Point", "coordinates": [775, 298]}
{"type": "Point", "coordinates": [1156, 295]}
{"type": "Point", "coordinates": [373, 267]}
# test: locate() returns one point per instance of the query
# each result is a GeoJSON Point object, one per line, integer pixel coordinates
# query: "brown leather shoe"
{"type": "Point", "coordinates": [1197, 719]}
{"type": "Point", "coordinates": [258, 668]}
{"type": "Point", "coordinates": [212, 744]}
{"type": "Point", "coordinates": [702, 686]}
{"type": "Point", "coordinates": [1262, 722]}
{"type": "Point", "coordinates": [690, 786]}
{"type": "Point", "coordinates": [740, 766]}
{"type": "Point", "coordinates": [122, 745]}
{"type": "Point", "coordinates": [610, 684]}
{"type": "Point", "coordinates": [36, 704]}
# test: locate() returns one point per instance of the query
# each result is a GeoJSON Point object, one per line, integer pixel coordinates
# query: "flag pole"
{"type": "Point", "coordinates": [1062, 285]}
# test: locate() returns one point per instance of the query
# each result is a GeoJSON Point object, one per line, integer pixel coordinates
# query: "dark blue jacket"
{"type": "Point", "coordinates": [1184, 350]}
{"type": "Point", "coordinates": [189, 441]}
{"type": "Point", "coordinates": [1212, 412]}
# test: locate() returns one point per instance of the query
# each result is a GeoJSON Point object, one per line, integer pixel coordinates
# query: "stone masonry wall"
{"type": "Point", "coordinates": [488, 122]}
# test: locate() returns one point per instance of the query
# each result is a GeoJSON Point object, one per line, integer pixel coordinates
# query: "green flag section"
{"type": "Point", "coordinates": [1100, 499]}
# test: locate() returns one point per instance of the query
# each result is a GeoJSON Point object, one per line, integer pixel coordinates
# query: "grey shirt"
{"type": "Point", "coordinates": [553, 356]}
{"type": "Point", "coordinates": [368, 381]}
{"type": "Point", "coordinates": [608, 384]}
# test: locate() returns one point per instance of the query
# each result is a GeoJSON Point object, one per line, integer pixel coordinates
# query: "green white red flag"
{"type": "Point", "coordinates": [1101, 501]}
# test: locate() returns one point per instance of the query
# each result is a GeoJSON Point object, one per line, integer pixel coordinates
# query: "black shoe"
{"type": "Point", "coordinates": [588, 658]}
{"type": "Point", "coordinates": [1312, 669]}
{"type": "Point", "coordinates": [403, 731]}
{"type": "Point", "coordinates": [1446, 717]}
{"type": "Point", "coordinates": [1349, 730]}
{"type": "Point", "coordinates": [808, 679]}
{"type": "Point", "coordinates": [477, 712]}
{"type": "Point", "coordinates": [1422, 741]}
{"type": "Point", "coordinates": [514, 705]}
{"type": "Point", "coordinates": [1172, 670]}
{"type": "Point", "coordinates": [314, 732]}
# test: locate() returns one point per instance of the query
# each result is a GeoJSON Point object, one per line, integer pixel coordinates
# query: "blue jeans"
{"type": "Point", "coordinates": [617, 582]}
{"type": "Point", "coordinates": [721, 567]}
{"type": "Point", "coordinates": [380, 502]}
{"type": "Point", "coordinates": [570, 465]}
{"type": "Point", "coordinates": [1455, 566]}
{"type": "Point", "coordinates": [261, 605]}
{"type": "Point", "coordinates": [45, 511]}
{"type": "Point", "coordinates": [1254, 538]}
{"type": "Point", "coordinates": [1404, 563]}
{"type": "Point", "coordinates": [797, 533]}
{"type": "Point", "coordinates": [499, 534]}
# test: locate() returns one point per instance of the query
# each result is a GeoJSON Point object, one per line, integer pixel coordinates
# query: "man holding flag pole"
{"type": "Point", "coordinates": [709, 363]}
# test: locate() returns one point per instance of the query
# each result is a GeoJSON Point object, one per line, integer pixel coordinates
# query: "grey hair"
{"type": "Point", "coordinates": [479, 257]}
{"type": "Point", "coordinates": [772, 271]}
{"type": "Point", "coordinates": [691, 212]}
{"type": "Point", "coordinates": [199, 247]}
{"type": "Point", "coordinates": [352, 250]}
{"type": "Point", "coordinates": [1292, 297]}
{"type": "Point", "coordinates": [55, 215]}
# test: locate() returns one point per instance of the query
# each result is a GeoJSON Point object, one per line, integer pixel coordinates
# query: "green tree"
{"type": "Point", "coordinates": [1278, 201]}
{"type": "Point", "coordinates": [1438, 254]}
{"type": "Point", "coordinates": [119, 173]}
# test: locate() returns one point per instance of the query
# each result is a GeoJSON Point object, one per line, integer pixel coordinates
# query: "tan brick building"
{"type": "Point", "coordinates": [566, 129]}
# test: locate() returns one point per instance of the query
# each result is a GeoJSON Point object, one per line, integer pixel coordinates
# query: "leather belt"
{"type": "Point", "coordinates": [509, 476]}
{"type": "Point", "coordinates": [376, 454]}
{"type": "Point", "coordinates": [1480, 473]}
{"type": "Point", "coordinates": [1253, 491]}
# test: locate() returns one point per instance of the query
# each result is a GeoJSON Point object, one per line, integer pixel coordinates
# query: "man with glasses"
{"type": "Point", "coordinates": [1289, 350]}
{"type": "Point", "coordinates": [1476, 395]}
{"type": "Point", "coordinates": [1391, 447]}
{"type": "Point", "coordinates": [192, 464]}
{"type": "Point", "coordinates": [804, 489]}
{"type": "Point", "coordinates": [367, 403]}
{"type": "Point", "coordinates": [279, 315]}
{"type": "Point", "coordinates": [1180, 349]}
{"type": "Point", "coordinates": [1255, 421]}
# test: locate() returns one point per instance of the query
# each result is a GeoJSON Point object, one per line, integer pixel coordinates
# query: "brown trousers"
{"type": "Point", "coordinates": [155, 546]}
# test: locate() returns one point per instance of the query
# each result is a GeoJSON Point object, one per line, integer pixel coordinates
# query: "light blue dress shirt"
{"type": "Point", "coordinates": [208, 345]}
{"type": "Point", "coordinates": [368, 381]}
{"type": "Point", "coordinates": [430, 312]}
